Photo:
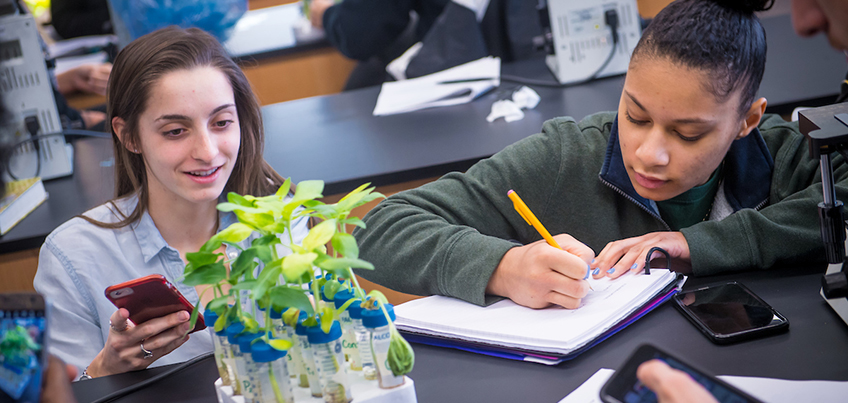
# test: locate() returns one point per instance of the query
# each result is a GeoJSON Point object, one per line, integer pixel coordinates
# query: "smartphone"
{"type": "Point", "coordinates": [23, 324]}
{"type": "Point", "coordinates": [623, 386]}
{"type": "Point", "coordinates": [150, 297]}
{"type": "Point", "coordinates": [728, 313]}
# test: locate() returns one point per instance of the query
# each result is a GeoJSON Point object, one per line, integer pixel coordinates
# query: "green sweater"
{"type": "Point", "coordinates": [447, 237]}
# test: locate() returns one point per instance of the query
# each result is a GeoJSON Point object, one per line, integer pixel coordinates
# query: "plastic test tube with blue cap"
{"type": "Point", "coordinates": [375, 321]}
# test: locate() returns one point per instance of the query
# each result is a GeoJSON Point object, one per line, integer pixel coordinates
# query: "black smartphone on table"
{"type": "Point", "coordinates": [625, 387]}
{"type": "Point", "coordinates": [729, 313]}
{"type": "Point", "coordinates": [23, 356]}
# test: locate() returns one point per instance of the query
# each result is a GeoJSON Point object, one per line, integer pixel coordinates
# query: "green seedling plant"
{"type": "Point", "coordinates": [17, 346]}
{"type": "Point", "coordinates": [286, 268]}
{"type": "Point", "coordinates": [401, 357]}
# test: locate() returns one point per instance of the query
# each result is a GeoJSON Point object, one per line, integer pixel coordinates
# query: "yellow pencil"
{"type": "Point", "coordinates": [531, 219]}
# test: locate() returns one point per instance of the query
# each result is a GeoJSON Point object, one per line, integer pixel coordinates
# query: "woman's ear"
{"type": "Point", "coordinates": [753, 117]}
{"type": "Point", "coordinates": [119, 126]}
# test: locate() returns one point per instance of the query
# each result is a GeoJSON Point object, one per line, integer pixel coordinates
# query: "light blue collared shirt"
{"type": "Point", "coordinates": [79, 260]}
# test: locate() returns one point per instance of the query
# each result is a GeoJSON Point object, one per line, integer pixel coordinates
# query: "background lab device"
{"type": "Point", "coordinates": [585, 45]}
{"type": "Point", "coordinates": [28, 95]}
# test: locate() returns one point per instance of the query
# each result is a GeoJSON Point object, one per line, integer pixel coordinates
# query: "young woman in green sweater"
{"type": "Point", "coordinates": [688, 163]}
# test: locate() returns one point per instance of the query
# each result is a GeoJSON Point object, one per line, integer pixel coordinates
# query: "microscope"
{"type": "Point", "coordinates": [826, 129]}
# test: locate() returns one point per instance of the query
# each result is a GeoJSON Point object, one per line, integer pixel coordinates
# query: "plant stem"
{"type": "Point", "coordinates": [277, 393]}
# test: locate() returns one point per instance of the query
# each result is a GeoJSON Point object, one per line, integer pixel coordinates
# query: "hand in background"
{"type": "Point", "coordinates": [92, 118]}
{"type": "Point", "coordinates": [123, 351]}
{"type": "Point", "coordinates": [56, 387]}
{"type": "Point", "coordinates": [624, 255]}
{"type": "Point", "coordinates": [538, 275]}
{"type": "Point", "coordinates": [88, 78]}
{"type": "Point", "coordinates": [316, 11]}
{"type": "Point", "coordinates": [672, 385]}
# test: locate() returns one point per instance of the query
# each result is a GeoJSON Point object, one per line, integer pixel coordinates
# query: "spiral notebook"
{"type": "Point", "coordinates": [547, 336]}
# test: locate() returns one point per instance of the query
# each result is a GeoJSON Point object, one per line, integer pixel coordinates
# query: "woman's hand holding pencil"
{"type": "Point", "coordinates": [552, 271]}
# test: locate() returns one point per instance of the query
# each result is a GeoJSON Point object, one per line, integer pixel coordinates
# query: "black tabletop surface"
{"type": "Point", "coordinates": [815, 347]}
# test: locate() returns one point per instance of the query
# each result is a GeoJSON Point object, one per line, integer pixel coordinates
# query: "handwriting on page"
{"type": "Point", "coordinates": [604, 289]}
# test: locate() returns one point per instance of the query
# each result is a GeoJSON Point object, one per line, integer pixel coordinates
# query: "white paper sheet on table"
{"type": "Point", "coordinates": [426, 92]}
{"type": "Point", "coordinates": [766, 389]}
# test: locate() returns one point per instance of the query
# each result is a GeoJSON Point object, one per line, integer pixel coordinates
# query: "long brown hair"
{"type": "Point", "coordinates": [137, 68]}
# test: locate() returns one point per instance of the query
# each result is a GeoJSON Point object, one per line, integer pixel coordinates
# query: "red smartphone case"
{"type": "Point", "coordinates": [150, 297]}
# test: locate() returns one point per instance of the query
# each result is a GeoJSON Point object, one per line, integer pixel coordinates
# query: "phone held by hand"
{"type": "Point", "coordinates": [23, 323]}
{"type": "Point", "coordinates": [624, 386]}
{"type": "Point", "coordinates": [150, 297]}
{"type": "Point", "coordinates": [728, 313]}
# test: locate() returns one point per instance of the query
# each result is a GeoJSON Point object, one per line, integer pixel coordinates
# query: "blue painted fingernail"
{"type": "Point", "coordinates": [634, 266]}
{"type": "Point", "coordinates": [588, 270]}
{"type": "Point", "coordinates": [595, 273]}
{"type": "Point", "coordinates": [593, 260]}
{"type": "Point", "coordinates": [610, 271]}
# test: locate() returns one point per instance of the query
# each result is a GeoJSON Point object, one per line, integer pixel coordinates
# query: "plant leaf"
{"type": "Point", "coordinates": [244, 285]}
{"type": "Point", "coordinates": [379, 296]}
{"type": "Point", "coordinates": [197, 259]}
{"type": "Point", "coordinates": [401, 357]}
{"type": "Point", "coordinates": [319, 235]}
{"type": "Point", "coordinates": [283, 297]}
{"type": "Point", "coordinates": [327, 318]}
{"type": "Point", "coordinates": [298, 264]}
{"type": "Point", "coordinates": [308, 190]}
{"type": "Point", "coordinates": [243, 263]}
{"type": "Point", "coordinates": [355, 191]}
{"type": "Point", "coordinates": [257, 220]}
{"type": "Point", "coordinates": [336, 264]}
{"type": "Point", "coordinates": [235, 233]}
{"type": "Point", "coordinates": [331, 287]}
{"type": "Point", "coordinates": [280, 344]}
{"type": "Point", "coordinates": [195, 313]}
{"type": "Point", "coordinates": [267, 279]}
{"type": "Point", "coordinates": [208, 274]}
{"type": "Point", "coordinates": [218, 305]}
{"type": "Point", "coordinates": [238, 199]}
{"type": "Point", "coordinates": [346, 245]}
{"type": "Point", "coordinates": [285, 188]}
{"type": "Point", "coordinates": [290, 315]}
{"type": "Point", "coordinates": [354, 221]}
{"type": "Point", "coordinates": [220, 323]}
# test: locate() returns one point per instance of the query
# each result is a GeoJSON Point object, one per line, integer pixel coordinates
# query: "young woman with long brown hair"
{"type": "Point", "coordinates": [187, 129]}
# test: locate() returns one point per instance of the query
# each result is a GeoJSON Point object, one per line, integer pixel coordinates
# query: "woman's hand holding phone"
{"type": "Point", "coordinates": [125, 347]}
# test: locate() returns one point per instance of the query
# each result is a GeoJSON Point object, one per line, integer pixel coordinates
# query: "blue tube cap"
{"type": "Point", "coordinates": [300, 329]}
{"type": "Point", "coordinates": [262, 352]}
{"type": "Point", "coordinates": [275, 314]}
{"type": "Point", "coordinates": [355, 309]}
{"type": "Point", "coordinates": [210, 317]}
{"type": "Point", "coordinates": [244, 341]}
{"type": "Point", "coordinates": [317, 336]}
{"type": "Point", "coordinates": [375, 318]}
{"type": "Point", "coordinates": [232, 331]}
{"type": "Point", "coordinates": [341, 297]}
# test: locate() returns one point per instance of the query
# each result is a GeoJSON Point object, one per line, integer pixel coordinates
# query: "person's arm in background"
{"type": "Point", "coordinates": [56, 386]}
{"type": "Point", "coordinates": [73, 18]}
{"type": "Point", "coordinates": [360, 29]}
{"type": "Point", "coordinates": [88, 78]}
